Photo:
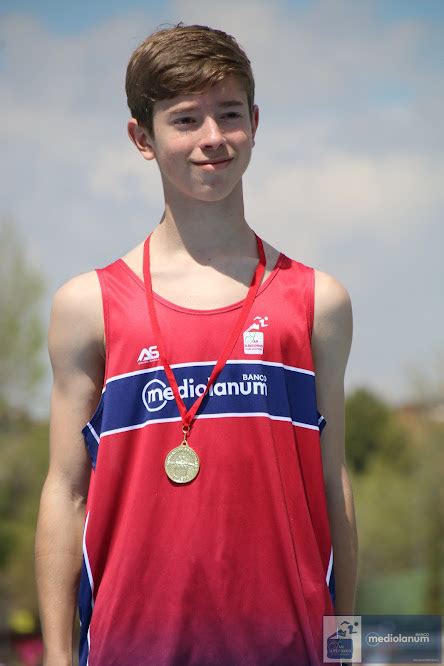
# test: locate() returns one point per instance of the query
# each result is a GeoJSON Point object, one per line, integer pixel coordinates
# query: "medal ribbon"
{"type": "Point", "coordinates": [188, 416]}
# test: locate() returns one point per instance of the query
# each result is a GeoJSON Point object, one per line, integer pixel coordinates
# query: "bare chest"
{"type": "Point", "coordinates": [203, 287]}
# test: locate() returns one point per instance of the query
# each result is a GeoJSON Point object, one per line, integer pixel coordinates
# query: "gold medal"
{"type": "Point", "coordinates": [182, 462]}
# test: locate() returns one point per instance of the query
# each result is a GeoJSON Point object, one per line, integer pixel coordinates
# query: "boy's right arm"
{"type": "Point", "coordinates": [76, 348]}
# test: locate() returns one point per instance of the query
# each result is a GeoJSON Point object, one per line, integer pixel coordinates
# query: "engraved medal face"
{"type": "Point", "coordinates": [182, 464]}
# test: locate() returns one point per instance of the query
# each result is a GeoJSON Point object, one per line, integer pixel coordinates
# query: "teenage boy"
{"type": "Point", "coordinates": [212, 511]}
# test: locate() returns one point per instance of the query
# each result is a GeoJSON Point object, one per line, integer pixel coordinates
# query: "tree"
{"type": "Point", "coordinates": [396, 460]}
{"type": "Point", "coordinates": [428, 489]}
{"type": "Point", "coordinates": [427, 429]}
{"type": "Point", "coordinates": [21, 332]}
{"type": "Point", "coordinates": [23, 443]}
{"type": "Point", "coordinates": [373, 429]}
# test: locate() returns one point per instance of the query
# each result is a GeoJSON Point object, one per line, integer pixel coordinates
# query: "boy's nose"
{"type": "Point", "coordinates": [211, 133]}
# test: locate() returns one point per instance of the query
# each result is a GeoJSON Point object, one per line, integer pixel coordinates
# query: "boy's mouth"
{"type": "Point", "coordinates": [215, 164]}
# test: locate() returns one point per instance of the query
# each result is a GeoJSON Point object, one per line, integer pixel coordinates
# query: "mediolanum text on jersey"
{"type": "Point", "coordinates": [156, 393]}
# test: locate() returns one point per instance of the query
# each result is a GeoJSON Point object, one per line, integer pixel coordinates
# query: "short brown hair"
{"type": "Point", "coordinates": [181, 60]}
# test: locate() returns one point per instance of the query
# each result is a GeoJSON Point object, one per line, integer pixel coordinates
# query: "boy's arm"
{"type": "Point", "coordinates": [331, 343]}
{"type": "Point", "coordinates": [77, 356]}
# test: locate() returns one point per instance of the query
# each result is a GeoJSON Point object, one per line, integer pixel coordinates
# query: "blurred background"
{"type": "Point", "coordinates": [346, 176]}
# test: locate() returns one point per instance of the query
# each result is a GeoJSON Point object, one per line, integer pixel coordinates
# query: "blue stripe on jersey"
{"type": "Point", "coordinates": [91, 434]}
{"type": "Point", "coordinates": [242, 388]}
{"type": "Point", "coordinates": [85, 612]}
{"type": "Point", "coordinates": [332, 586]}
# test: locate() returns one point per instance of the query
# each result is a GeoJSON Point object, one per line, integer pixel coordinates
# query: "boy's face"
{"type": "Point", "coordinates": [193, 130]}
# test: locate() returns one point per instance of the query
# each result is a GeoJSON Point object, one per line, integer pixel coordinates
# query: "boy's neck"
{"type": "Point", "coordinates": [204, 230]}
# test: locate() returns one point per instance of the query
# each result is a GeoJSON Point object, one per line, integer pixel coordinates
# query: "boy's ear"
{"type": "Point", "coordinates": [255, 121]}
{"type": "Point", "coordinates": [141, 138]}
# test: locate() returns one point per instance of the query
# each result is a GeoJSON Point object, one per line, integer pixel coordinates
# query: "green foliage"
{"type": "Point", "coordinates": [393, 593]}
{"type": "Point", "coordinates": [23, 443]}
{"type": "Point", "coordinates": [396, 464]}
{"type": "Point", "coordinates": [21, 332]}
{"type": "Point", "coordinates": [23, 461]}
{"type": "Point", "coordinates": [429, 496]}
{"type": "Point", "coordinates": [388, 520]}
{"type": "Point", "coordinates": [371, 430]}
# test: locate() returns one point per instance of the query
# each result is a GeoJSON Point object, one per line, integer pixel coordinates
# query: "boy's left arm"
{"type": "Point", "coordinates": [331, 343]}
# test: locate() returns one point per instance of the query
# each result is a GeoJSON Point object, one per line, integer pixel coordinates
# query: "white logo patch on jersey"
{"type": "Point", "coordinates": [148, 354]}
{"type": "Point", "coordinates": [254, 337]}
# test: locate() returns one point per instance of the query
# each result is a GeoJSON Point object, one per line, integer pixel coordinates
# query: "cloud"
{"type": "Point", "coordinates": [346, 192]}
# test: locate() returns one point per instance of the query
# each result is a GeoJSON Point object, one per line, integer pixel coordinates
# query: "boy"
{"type": "Point", "coordinates": [188, 365]}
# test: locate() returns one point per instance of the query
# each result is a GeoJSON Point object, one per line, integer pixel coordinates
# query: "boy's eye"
{"type": "Point", "coordinates": [187, 119]}
{"type": "Point", "coordinates": [181, 120]}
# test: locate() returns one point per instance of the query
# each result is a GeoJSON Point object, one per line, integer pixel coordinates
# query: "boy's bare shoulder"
{"type": "Point", "coordinates": [81, 295]}
{"type": "Point", "coordinates": [77, 309]}
{"type": "Point", "coordinates": [333, 317]}
{"type": "Point", "coordinates": [330, 293]}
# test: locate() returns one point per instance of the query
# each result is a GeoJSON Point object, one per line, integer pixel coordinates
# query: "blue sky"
{"type": "Point", "coordinates": [347, 169]}
{"type": "Point", "coordinates": [74, 17]}
{"type": "Point", "coordinates": [71, 17]}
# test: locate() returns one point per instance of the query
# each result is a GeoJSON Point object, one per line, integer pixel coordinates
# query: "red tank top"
{"type": "Point", "coordinates": [234, 568]}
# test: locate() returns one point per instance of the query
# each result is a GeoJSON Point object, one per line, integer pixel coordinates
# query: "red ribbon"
{"type": "Point", "coordinates": [188, 416]}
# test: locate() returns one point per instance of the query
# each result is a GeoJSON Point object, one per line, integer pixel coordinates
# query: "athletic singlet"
{"type": "Point", "coordinates": [234, 568]}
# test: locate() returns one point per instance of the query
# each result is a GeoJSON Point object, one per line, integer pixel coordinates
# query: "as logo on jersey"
{"type": "Point", "coordinates": [254, 337]}
{"type": "Point", "coordinates": [148, 354]}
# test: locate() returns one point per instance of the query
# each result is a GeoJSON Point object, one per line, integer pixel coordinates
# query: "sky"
{"type": "Point", "coordinates": [347, 171]}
